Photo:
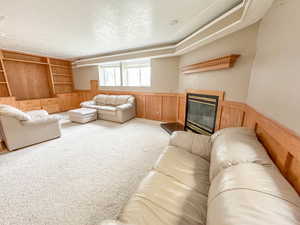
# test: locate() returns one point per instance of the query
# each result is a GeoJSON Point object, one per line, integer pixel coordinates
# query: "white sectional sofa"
{"type": "Point", "coordinates": [117, 108]}
{"type": "Point", "coordinates": [226, 179]}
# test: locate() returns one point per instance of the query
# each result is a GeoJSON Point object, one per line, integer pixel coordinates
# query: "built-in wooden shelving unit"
{"type": "Point", "coordinates": [27, 76]}
{"type": "Point", "coordinates": [214, 64]}
{"type": "Point", "coordinates": [4, 85]}
{"type": "Point", "coordinates": [62, 76]}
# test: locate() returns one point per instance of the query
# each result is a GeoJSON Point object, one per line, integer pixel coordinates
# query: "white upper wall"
{"type": "Point", "coordinates": [82, 77]}
{"type": "Point", "coordinates": [234, 81]}
{"type": "Point", "coordinates": [164, 77]}
{"type": "Point", "coordinates": [275, 81]}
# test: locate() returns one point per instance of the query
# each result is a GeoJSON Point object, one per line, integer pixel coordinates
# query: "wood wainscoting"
{"type": "Point", "coordinates": [282, 144]}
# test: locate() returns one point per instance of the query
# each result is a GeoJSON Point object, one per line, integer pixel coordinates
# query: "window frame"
{"type": "Point", "coordinates": [112, 65]}
{"type": "Point", "coordinates": [122, 67]}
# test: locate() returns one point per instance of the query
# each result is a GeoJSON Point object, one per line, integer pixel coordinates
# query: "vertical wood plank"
{"type": "Point", "coordinates": [140, 105]}
{"type": "Point", "coordinates": [181, 109]}
{"type": "Point", "coordinates": [153, 107]}
{"type": "Point", "coordinates": [169, 108]}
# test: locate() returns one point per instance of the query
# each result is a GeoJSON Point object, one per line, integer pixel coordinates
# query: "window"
{"type": "Point", "coordinates": [135, 73]}
{"type": "Point", "coordinates": [110, 75]}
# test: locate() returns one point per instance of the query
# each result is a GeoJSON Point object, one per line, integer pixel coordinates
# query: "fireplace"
{"type": "Point", "coordinates": [201, 113]}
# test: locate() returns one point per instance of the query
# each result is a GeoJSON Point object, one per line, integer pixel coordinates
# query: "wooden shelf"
{"type": "Point", "coordinates": [61, 74]}
{"type": "Point", "coordinates": [60, 66]}
{"type": "Point", "coordinates": [214, 64]}
{"type": "Point", "coordinates": [3, 82]}
{"type": "Point", "coordinates": [25, 61]}
{"type": "Point", "coordinates": [60, 83]}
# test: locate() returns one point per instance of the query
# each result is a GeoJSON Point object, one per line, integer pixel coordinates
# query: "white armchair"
{"type": "Point", "coordinates": [20, 129]}
{"type": "Point", "coordinates": [117, 108]}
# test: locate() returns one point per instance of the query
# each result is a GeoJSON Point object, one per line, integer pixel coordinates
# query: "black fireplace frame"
{"type": "Point", "coordinates": [204, 131]}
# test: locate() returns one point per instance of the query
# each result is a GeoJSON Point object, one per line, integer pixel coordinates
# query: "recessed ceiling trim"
{"type": "Point", "coordinates": [239, 7]}
{"type": "Point", "coordinates": [233, 10]}
{"type": "Point", "coordinates": [127, 53]}
{"type": "Point", "coordinates": [228, 13]}
{"type": "Point", "coordinates": [243, 15]}
{"type": "Point", "coordinates": [211, 31]}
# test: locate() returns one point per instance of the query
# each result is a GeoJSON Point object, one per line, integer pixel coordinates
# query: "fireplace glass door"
{"type": "Point", "coordinates": [201, 113]}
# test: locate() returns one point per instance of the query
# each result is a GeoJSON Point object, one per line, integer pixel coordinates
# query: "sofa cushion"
{"type": "Point", "coordinates": [100, 99]}
{"type": "Point", "coordinates": [247, 193]}
{"type": "Point", "coordinates": [161, 200]}
{"type": "Point", "coordinates": [185, 167]}
{"type": "Point", "coordinates": [107, 111]}
{"type": "Point", "coordinates": [233, 146]}
{"type": "Point", "coordinates": [122, 99]}
{"type": "Point", "coordinates": [111, 100]}
{"type": "Point", "coordinates": [195, 143]}
{"type": "Point", "coordinates": [107, 108]}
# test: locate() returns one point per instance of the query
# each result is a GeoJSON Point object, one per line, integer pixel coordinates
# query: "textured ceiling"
{"type": "Point", "coordinates": [76, 28]}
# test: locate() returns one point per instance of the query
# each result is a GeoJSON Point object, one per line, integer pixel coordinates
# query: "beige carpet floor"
{"type": "Point", "coordinates": [82, 178]}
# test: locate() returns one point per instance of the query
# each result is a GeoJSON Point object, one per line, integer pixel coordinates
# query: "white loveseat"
{"type": "Point", "coordinates": [117, 108]}
{"type": "Point", "coordinates": [20, 129]}
{"type": "Point", "coordinates": [227, 179]}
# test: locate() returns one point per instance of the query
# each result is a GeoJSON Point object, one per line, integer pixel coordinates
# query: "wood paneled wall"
{"type": "Point", "coordinates": [282, 144]}
{"type": "Point", "coordinates": [28, 80]}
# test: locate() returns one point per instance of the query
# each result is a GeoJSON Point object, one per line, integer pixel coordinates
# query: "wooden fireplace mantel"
{"type": "Point", "coordinates": [220, 94]}
{"type": "Point", "coordinates": [214, 64]}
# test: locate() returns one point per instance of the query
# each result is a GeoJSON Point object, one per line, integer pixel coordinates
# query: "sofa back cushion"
{"type": "Point", "coordinates": [100, 99]}
{"type": "Point", "coordinates": [252, 194]}
{"type": "Point", "coordinates": [232, 146]}
{"type": "Point", "coordinates": [195, 143]}
{"type": "Point", "coordinates": [122, 99]}
{"type": "Point", "coordinates": [113, 100]}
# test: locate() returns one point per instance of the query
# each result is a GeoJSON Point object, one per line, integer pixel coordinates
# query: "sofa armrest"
{"type": "Point", "coordinates": [195, 143]}
{"type": "Point", "coordinates": [42, 120]}
{"type": "Point", "coordinates": [88, 104]}
{"type": "Point", "coordinates": [124, 106]}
